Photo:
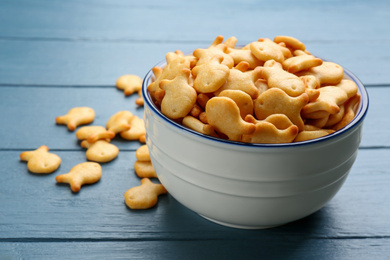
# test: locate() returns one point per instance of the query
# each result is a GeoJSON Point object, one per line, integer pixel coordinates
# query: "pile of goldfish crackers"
{"type": "Point", "coordinates": [269, 91]}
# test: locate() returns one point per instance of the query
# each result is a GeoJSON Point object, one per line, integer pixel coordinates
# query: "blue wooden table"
{"type": "Point", "coordinates": [55, 55]}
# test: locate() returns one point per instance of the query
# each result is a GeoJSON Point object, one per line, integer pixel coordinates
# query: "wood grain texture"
{"type": "Point", "coordinates": [98, 211]}
{"type": "Point", "coordinates": [55, 55]}
{"type": "Point", "coordinates": [195, 21]}
{"type": "Point", "coordinates": [253, 248]}
{"type": "Point", "coordinates": [98, 63]}
{"type": "Point", "coordinates": [41, 105]}
{"type": "Point", "coordinates": [30, 113]}
{"type": "Point", "coordinates": [94, 42]}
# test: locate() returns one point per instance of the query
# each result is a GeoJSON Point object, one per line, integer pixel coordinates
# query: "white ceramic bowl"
{"type": "Point", "coordinates": [250, 185]}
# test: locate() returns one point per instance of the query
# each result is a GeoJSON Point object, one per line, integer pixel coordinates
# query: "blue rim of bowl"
{"type": "Point", "coordinates": [364, 103]}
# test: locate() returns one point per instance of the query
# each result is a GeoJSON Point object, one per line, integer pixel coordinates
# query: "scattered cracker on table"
{"type": "Point", "coordinates": [40, 160]}
{"type": "Point", "coordinates": [96, 139]}
{"type": "Point", "coordinates": [100, 151]}
{"type": "Point", "coordinates": [83, 173]}
{"type": "Point", "coordinates": [137, 130]}
{"type": "Point", "coordinates": [129, 84]}
{"type": "Point", "coordinates": [144, 196]}
{"type": "Point", "coordinates": [143, 166]}
{"type": "Point", "coordinates": [94, 133]}
{"type": "Point", "coordinates": [145, 169]}
{"type": "Point", "coordinates": [77, 116]}
{"type": "Point", "coordinates": [119, 122]}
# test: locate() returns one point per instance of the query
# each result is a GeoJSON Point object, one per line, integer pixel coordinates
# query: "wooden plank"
{"type": "Point", "coordinates": [260, 247]}
{"type": "Point", "coordinates": [30, 113]}
{"type": "Point", "coordinates": [375, 129]}
{"type": "Point", "coordinates": [101, 63]}
{"type": "Point", "coordinates": [59, 54]}
{"type": "Point", "coordinates": [75, 63]}
{"type": "Point", "coordinates": [35, 208]}
{"type": "Point", "coordinates": [35, 109]}
{"type": "Point", "coordinates": [174, 21]}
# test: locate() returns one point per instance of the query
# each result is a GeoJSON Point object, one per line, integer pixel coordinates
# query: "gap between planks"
{"type": "Point", "coordinates": [56, 239]}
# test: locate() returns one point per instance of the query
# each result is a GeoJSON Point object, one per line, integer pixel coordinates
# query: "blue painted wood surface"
{"type": "Point", "coordinates": [55, 55]}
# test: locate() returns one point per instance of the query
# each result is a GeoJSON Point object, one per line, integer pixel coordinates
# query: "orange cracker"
{"type": "Point", "coordinates": [77, 116]}
{"type": "Point", "coordinates": [179, 97]}
{"type": "Point", "coordinates": [197, 125]}
{"type": "Point", "coordinates": [144, 196]}
{"type": "Point", "coordinates": [300, 63]}
{"type": "Point", "coordinates": [328, 73]}
{"type": "Point", "coordinates": [129, 84]}
{"type": "Point", "coordinates": [210, 76]}
{"type": "Point", "coordinates": [216, 48]}
{"type": "Point", "coordinates": [277, 129]}
{"type": "Point", "coordinates": [40, 160]}
{"type": "Point", "coordinates": [239, 79]}
{"type": "Point", "coordinates": [276, 101]}
{"type": "Point", "coordinates": [100, 151]}
{"type": "Point", "coordinates": [278, 78]}
{"type": "Point", "coordinates": [329, 100]}
{"type": "Point", "coordinates": [119, 122]}
{"type": "Point", "coordinates": [242, 99]}
{"type": "Point", "coordinates": [144, 169]}
{"type": "Point", "coordinates": [142, 153]}
{"type": "Point", "coordinates": [94, 133]}
{"type": "Point", "coordinates": [351, 107]}
{"type": "Point", "coordinates": [265, 49]}
{"type": "Point", "coordinates": [290, 42]}
{"type": "Point", "coordinates": [137, 130]}
{"type": "Point", "coordinates": [224, 115]}
{"type": "Point", "coordinates": [83, 173]}
{"type": "Point", "coordinates": [169, 72]}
